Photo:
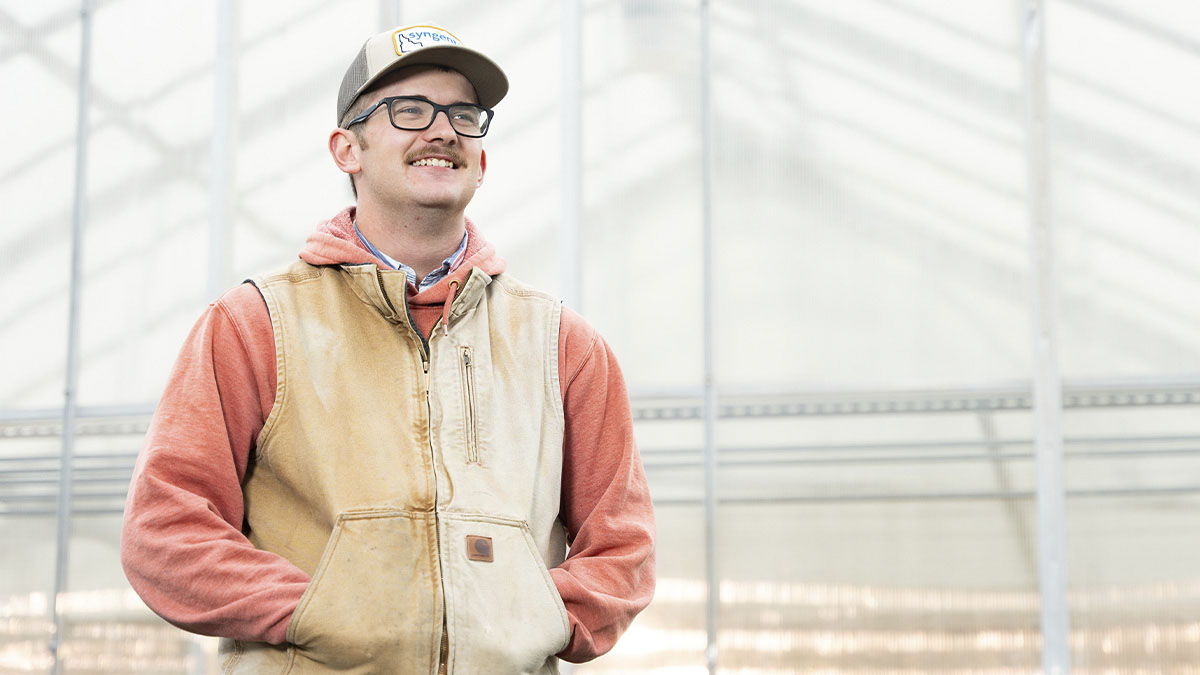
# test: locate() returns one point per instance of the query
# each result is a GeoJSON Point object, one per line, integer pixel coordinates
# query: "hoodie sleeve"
{"type": "Point", "coordinates": [182, 545]}
{"type": "Point", "coordinates": [608, 576]}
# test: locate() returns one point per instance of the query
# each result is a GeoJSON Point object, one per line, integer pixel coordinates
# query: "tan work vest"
{"type": "Point", "coordinates": [420, 489]}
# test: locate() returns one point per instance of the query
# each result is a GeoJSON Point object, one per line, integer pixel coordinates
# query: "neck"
{"type": "Point", "coordinates": [419, 238]}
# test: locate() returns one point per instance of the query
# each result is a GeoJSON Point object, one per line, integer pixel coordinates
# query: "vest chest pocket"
{"type": "Point", "coordinates": [470, 407]}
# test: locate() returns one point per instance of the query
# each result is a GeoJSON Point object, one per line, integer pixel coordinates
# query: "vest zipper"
{"type": "Point", "coordinates": [444, 649]}
{"type": "Point", "coordinates": [444, 655]}
{"type": "Point", "coordinates": [426, 355]}
{"type": "Point", "coordinates": [412, 324]}
{"type": "Point", "coordinates": [469, 406]}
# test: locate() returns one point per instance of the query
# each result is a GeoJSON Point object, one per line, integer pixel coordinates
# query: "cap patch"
{"type": "Point", "coordinates": [411, 39]}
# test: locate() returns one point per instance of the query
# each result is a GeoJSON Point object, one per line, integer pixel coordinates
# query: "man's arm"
{"type": "Point", "coordinates": [182, 544]}
{"type": "Point", "coordinates": [609, 575]}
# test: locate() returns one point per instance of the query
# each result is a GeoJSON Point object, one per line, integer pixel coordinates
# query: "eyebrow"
{"type": "Point", "coordinates": [429, 100]}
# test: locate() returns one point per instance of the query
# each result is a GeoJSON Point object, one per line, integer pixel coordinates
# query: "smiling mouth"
{"type": "Point", "coordinates": [433, 161]}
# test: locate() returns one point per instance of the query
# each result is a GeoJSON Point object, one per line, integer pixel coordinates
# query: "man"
{"type": "Point", "coordinates": [373, 461]}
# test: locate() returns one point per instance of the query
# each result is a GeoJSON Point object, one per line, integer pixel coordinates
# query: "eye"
{"type": "Point", "coordinates": [467, 115]}
{"type": "Point", "coordinates": [409, 109]}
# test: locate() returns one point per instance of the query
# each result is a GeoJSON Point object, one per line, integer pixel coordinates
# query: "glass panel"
{"type": "Point", "coordinates": [39, 58]}
{"type": "Point", "coordinates": [28, 490]}
{"type": "Point", "coordinates": [145, 247]}
{"type": "Point", "coordinates": [1134, 476]}
{"type": "Point", "coordinates": [1126, 175]}
{"type": "Point", "coordinates": [289, 60]}
{"type": "Point", "coordinates": [1134, 588]}
{"type": "Point", "coordinates": [863, 542]}
{"type": "Point", "coordinates": [878, 585]}
{"type": "Point", "coordinates": [668, 637]}
{"type": "Point", "coordinates": [107, 627]}
{"type": "Point", "coordinates": [871, 237]}
{"type": "Point", "coordinates": [641, 187]}
{"type": "Point", "coordinates": [1126, 180]}
{"type": "Point", "coordinates": [868, 194]}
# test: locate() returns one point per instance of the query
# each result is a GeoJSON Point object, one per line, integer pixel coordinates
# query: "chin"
{"type": "Point", "coordinates": [444, 201]}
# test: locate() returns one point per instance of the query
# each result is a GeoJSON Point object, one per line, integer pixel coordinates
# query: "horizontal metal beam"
{"type": "Point", "coordinates": [775, 459]}
{"type": "Point", "coordinates": [1083, 447]}
{"type": "Point", "coordinates": [1177, 490]}
{"type": "Point", "coordinates": [113, 420]}
{"type": "Point", "coordinates": [8, 415]}
{"type": "Point", "coordinates": [687, 404]}
{"type": "Point", "coordinates": [915, 401]}
{"type": "Point", "coordinates": [76, 510]}
{"type": "Point", "coordinates": [28, 491]}
{"type": "Point", "coordinates": [982, 495]}
{"type": "Point", "coordinates": [50, 497]}
{"type": "Point", "coordinates": [112, 474]}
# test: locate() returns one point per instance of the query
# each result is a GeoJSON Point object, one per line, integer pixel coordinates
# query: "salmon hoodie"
{"type": "Point", "coordinates": [183, 544]}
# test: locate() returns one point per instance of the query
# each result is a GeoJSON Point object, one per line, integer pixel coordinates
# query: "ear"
{"type": "Point", "coordinates": [482, 167]}
{"type": "Point", "coordinates": [343, 147]}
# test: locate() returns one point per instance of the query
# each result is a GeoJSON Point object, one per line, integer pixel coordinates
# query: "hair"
{"type": "Point", "coordinates": [366, 99]}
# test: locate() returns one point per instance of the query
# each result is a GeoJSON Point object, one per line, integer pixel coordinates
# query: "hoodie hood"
{"type": "Point", "coordinates": [335, 243]}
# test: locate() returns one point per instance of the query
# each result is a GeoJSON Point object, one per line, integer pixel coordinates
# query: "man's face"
{"type": "Point", "coordinates": [400, 168]}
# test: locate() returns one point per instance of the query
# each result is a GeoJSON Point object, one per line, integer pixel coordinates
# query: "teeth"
{"type": "Point", "coordinates": [445, 164]}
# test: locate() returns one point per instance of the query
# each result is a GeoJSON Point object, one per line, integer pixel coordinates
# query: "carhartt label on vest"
{"type": "Point", "coordinates": [479, 549]}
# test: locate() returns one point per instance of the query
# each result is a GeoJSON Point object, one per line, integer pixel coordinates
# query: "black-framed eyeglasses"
{"type": "Point", "coordinates": [413, 113]}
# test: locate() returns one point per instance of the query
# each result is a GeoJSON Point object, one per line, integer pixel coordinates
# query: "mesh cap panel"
{"type": "Point", "coordinates": [355, 76]}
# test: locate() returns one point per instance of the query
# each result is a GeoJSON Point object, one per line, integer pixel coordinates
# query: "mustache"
{"type": "Point", "coordinates": [444, 151]}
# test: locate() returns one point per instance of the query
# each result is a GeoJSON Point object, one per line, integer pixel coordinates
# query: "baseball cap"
{"type": "Point", "coordinates": [418, 46]}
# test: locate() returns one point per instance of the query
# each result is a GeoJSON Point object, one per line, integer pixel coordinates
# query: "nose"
{"type": "Point", "coordinates": [441, 128]}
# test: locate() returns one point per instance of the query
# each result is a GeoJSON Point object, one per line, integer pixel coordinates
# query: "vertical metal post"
{"type": "Point", "coordinates": [220, 186]}
{"type": "Point", "coordinates": [572, 153]}
{"type": "Point", "coordinates": [1047, 381]}
{"type": "Point", "coordinates": [710, 390]}
{"type": "Point", "coordinates": [70, 402]}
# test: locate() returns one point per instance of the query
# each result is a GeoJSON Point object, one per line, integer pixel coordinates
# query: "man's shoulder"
{"type": "Point", "coordinates": [297, 270]}
{"type": "Point", "coordinates": [581, 333]}
{"type": "Point", "coordinates": [245, 303]}
{"type": "Point", "coordinates": [515, 287]}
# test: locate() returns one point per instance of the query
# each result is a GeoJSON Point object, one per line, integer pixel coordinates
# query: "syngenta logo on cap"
{"type": "Point", "coordinates": [414, 37]}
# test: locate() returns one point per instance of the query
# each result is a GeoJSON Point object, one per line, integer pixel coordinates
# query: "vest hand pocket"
{"type": "Point", "coordinates": [372, 604]}
{"type": "Point", "coordinates": [503, 612]}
